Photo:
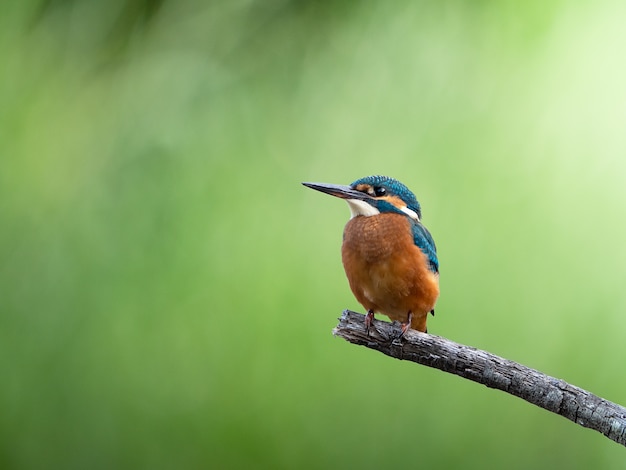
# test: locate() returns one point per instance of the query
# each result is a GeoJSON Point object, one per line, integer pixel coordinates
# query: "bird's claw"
{"type": "Point", "coordinates": [406, 326]}
{"type": "Point", "coordinates": [368, 321]}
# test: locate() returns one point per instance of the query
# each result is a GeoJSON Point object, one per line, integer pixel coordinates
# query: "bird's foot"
{"type": "Point", "coordinates": [406, 326]}
{"type": "Point", "coordinates": [368, 320]}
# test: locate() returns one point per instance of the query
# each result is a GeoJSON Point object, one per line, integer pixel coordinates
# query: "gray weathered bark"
{"type": "Point", "coordinates": [549, 393]}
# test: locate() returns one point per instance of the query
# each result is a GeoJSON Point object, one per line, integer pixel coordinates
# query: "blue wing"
{"type": "Point", "coordinates": [423, 239]}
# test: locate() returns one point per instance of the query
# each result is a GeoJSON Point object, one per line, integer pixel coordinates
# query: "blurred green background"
{"type": "Point", "coordinates": [168, 288]}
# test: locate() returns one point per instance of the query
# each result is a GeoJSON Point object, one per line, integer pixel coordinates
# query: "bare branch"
{"type": "Point", "coordinates": [552, 394]}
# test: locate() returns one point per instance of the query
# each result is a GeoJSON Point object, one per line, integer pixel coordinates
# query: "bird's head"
{"type": "Point", "coordinates": [374, 195]}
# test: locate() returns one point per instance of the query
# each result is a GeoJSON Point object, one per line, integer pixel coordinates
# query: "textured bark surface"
{"type": "Point", "coordinates": [549, 393]}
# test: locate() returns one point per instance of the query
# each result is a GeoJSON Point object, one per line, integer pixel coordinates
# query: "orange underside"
{"type": "Point", "coordinates": [387, 273]}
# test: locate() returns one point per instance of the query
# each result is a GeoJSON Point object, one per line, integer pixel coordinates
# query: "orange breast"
{"type": "Point", "coordinates": [386, 271]}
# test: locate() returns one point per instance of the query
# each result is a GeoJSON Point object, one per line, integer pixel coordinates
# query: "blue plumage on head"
{"type": "Point", "coordinates": [393, 188]}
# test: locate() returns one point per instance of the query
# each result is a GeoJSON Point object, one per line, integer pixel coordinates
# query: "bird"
{"type": "Point", "coordinates": [389, 257]}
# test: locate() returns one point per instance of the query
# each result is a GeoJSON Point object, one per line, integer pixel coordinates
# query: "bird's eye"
{"type": "Point", "coordinates": [379, 191]}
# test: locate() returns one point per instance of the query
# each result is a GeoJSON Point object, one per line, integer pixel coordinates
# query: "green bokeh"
{"type": "Point", "coordinates": [168, 289]}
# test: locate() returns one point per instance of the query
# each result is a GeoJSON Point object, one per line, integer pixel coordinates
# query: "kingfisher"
{"type": "Point", "coordinates": [389, 257]}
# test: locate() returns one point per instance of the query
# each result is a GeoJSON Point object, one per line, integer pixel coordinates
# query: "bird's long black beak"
{"type": "Point", "coordinates": [344, 192]}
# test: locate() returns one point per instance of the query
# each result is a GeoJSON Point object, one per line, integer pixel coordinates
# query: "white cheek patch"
{"type": "Point", "coordinates": [358, 207]}
{"type": "Point", "coordinates": [411, 213]}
